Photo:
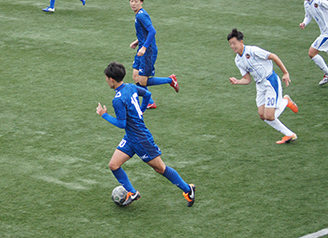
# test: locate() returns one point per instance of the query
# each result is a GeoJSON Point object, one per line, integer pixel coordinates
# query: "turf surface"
{"type": "Point", "coordinates": [55, 149]}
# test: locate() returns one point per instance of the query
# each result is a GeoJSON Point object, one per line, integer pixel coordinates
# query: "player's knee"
{"type": "Point", "coordinates": [262, 117]}
{"type": "Point", "coordinates": [270, 117]}
{"type": "Point", "coordinates": [113, 166]}
{"type": "Point", "coordinates": [159, 170]}
{"type": "Point", "coordinates": [312, 52]}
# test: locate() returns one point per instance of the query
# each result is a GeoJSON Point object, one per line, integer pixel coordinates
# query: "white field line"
{"type": "Point", "coordinates": [317, 234]}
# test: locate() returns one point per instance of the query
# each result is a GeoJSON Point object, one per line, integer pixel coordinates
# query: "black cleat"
{"type": "Point", "coordinates": [130, 197]}
{"type": "Point", "coordinates": [190, 197]}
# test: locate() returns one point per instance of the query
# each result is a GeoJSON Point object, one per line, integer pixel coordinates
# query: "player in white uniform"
{"type": "Point", "coordinates": [318, 9]}
{"type": "Point", "coordinates": [252, 60]}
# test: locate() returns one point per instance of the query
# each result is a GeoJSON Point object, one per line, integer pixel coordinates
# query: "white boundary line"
{"type": "Point", "coordinates": [317, 234]}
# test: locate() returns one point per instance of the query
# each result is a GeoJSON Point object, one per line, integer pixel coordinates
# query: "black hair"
{"type": "Point", "coordinates": [234, 33]}
{"type": "Point", "coordinates": [116, 71]}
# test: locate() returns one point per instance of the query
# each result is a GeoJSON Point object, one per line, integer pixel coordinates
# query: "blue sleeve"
{"type": "Point", "coordinates": [119, 123]}
{"type": "Point", "coordinates": [120, 111]}
{"type": "Point", "coordinates": [151, 35]}
{"type": "Point", "coordinates": [146, 97]}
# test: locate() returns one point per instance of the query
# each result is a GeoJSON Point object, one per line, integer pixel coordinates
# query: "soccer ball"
{"type": "Point", "coordinates": [119, 195]}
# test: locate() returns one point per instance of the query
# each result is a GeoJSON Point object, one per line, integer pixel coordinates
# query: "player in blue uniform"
{"type": "Point", "coordinates": [138, 139]}
{"type": "Point", "coordinates": [51, 7]}
{"type": "Point", "coordinates": [144, 61]}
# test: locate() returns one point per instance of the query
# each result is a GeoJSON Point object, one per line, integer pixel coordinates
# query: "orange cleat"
{"type": "Point", "coordinates": [190, 196]}
{"type": "Point", "coordinates": [174, 83]}
{"type": "Point", "coordinates": [151, 106]}
{"type": "Point", "coordinates": [130, 197]}
{"type": "Point", "coordinates": [291, 104]}
{"type": "Point", "coordinates": [287, 139]}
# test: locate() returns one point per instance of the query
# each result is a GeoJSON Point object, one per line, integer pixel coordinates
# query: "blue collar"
{"type": "Point", "coordinates": [120, 87]}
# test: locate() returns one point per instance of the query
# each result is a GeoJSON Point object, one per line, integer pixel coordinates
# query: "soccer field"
{"type": "Point", "coordinates": [54, 148]}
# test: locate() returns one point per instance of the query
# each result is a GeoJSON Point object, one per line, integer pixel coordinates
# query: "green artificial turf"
{"type": "Point", "coordinates": [55, 149]}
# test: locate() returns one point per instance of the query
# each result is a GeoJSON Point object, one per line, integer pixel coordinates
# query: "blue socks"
{"type": "Point", "coordinates": [123, 179]}
{"type": "Point", "coordinates": [52, 3]}
{"type": "Point", "coordinates": [175, 178]}
{"type": "Point", "coordinates": [151, 101]}
{"type": "Point", "coordinates": [157, 81]}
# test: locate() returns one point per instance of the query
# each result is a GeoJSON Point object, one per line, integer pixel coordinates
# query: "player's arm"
{"type": "Point", "coordinates": [282, 67]}
{"type": "Point", "coordinates": [244, 81]}
{"type": "Point", "coordinates": [134, 44]}
{"type": "Point", "coordinates": [306, 21]}
{"type": "Point", "coordinates": [116, 122]}
{"type": "Point", "coordinates": [146, 97]}
{"type": "Point", "coordinates": [151, 35]}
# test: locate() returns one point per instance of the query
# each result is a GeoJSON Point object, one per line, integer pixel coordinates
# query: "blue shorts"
{"type": "Point", "coordinates": [145, 64]}
{"type": "Point", "coordinates": [146, 150]}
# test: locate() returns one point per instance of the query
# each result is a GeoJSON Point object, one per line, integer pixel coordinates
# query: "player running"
{"type": "Point", "coordinates": [51, 8]}
{"type": "Point", "coordinates": [144, 61]}
{"type": "Point", "coordinates": [252, 60]}
{"type": "Point", "coordinates": [138, 139]}
{"type": "Point", "coordinates": [318, 9]}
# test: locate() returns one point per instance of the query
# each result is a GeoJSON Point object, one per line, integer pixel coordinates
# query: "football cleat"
{"type": "Point", "coordinates": [324, 80]}
{"type": "Point", "coordinates": [291, 104]}
{"type": "Point", "coordinates": [151, 106]}
{"type": "Point", "coordinates": [287, 139]}
{"type": "Point", "coordinates": [48, 9]}
{"type": "Point", "coordinates": [130, 197]}
{"type": "Point", "coordinates": [83, 2]}
{"type": "Point", "coordinates": [174, 83]}
{"type": "Point", "coordinates": [190, 196]}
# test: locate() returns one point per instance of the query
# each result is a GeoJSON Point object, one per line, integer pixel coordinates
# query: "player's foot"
{"type": "Point", "coordinates": [287, 139]}
{"type": "Point", "coordinates": [151, 106]}
{"type": "Point", "coordinates": [130, 197]}
{"type": "Point", "coordinates": [190, 197]}
{"type": "Point", "coordinates": [291, 104]}
{"type": "Point", "coordinates": [324, 80]}
{"type": "Point", "coordinates": [83, 2]}
{"type": "Point", "coordinates": [174, 83]}
{"type": "Point", "coordinates": [48, 9]}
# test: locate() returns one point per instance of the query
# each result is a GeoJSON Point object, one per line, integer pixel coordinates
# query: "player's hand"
{"type": "Point", "coordinates": [286, 79]}
{"type": "Point", "coordinates": [233, 80]}
{"type": "Point", "coordinates": [142, 51]}
{"type": "Point", "coordinates": [100, 110]}
{"type": "Point", "coordinates": [302, 25]}
{"type": "Point", "coordinates": [134, 44]}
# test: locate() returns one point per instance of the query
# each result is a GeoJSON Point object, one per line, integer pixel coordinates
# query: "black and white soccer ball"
{"type": "Point", "coordinates": [119, 195]}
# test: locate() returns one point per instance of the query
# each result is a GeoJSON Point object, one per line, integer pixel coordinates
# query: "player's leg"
{"type": "Point", "coordinates": [320, 44]}
{"type": "Point", "coordinates": [136, 77]}
{"type": "Point", "coordinates": [83, 2]}
{"type": "Point", "coordinates": [172, 175]}
{"type": "Point", "coordinates": [268, 100]}
{"type": "Point", "coordinates": [51, 7]}
{"type": "Point", "coordinates": [122, 154]}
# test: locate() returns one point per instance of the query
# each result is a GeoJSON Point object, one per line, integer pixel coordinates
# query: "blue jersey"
{"type": "Point", "coordinates": [142, 21]}
{"type": "Point", "coordinates": [127, 108]}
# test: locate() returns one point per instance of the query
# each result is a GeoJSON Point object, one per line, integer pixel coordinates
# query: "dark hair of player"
{"type": "Point", "coordinates": [116, 71]}
{"type": "Point", "coordinates": [234, 33]}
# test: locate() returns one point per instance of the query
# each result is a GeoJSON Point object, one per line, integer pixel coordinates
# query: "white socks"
{"type": "Point", "coordinates": [276, 124]}
{"type": "Point", "coordinates": [281, 108]}
{"type": "Point", "coordinates": [318, 60]}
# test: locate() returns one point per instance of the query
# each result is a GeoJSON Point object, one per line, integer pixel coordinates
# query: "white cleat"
{"type": "Point", "coordinates": [48, 9]}
{"type": "Point", "coordinates": [324, 80]}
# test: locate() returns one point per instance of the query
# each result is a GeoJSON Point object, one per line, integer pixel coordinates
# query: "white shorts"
{"type": "Point", "coordinates": [269, 92]}
{"type": "Point", "coordinates": [321, 43]}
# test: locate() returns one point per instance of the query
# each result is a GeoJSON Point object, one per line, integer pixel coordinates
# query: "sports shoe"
{"type": "Point", "coordinates": [291, 104]}
{"type": "Point", "coordinates": [130, 197]}
{"type": "Point", "coordinates": [151, 106]}
{"type": "Point", "coordinates": [287, 139]}
{"type": "Point", "coordinates": [83, 2]}
{"type": "Point", "coordinates": [324, 80]}
{"type": "Point", "coordinates": [48, 9]}
{"type": "Point", "coordinates": [190, 197]}
{"type": "Point", "coordinates": [174, 83]}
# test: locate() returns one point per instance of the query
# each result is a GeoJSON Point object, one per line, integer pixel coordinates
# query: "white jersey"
{"type": "Point", "coordinates": [318, 10]}
{"type": "Point", "coordinates": [254, 60]}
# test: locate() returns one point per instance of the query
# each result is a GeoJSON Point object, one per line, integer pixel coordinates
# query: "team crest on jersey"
{"type": "Point", "coordinates": [118, 94]}
{"type": "Point", "coordinates": [316, 5]}
{"type": "Point", "coordinates": [248, 56]}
